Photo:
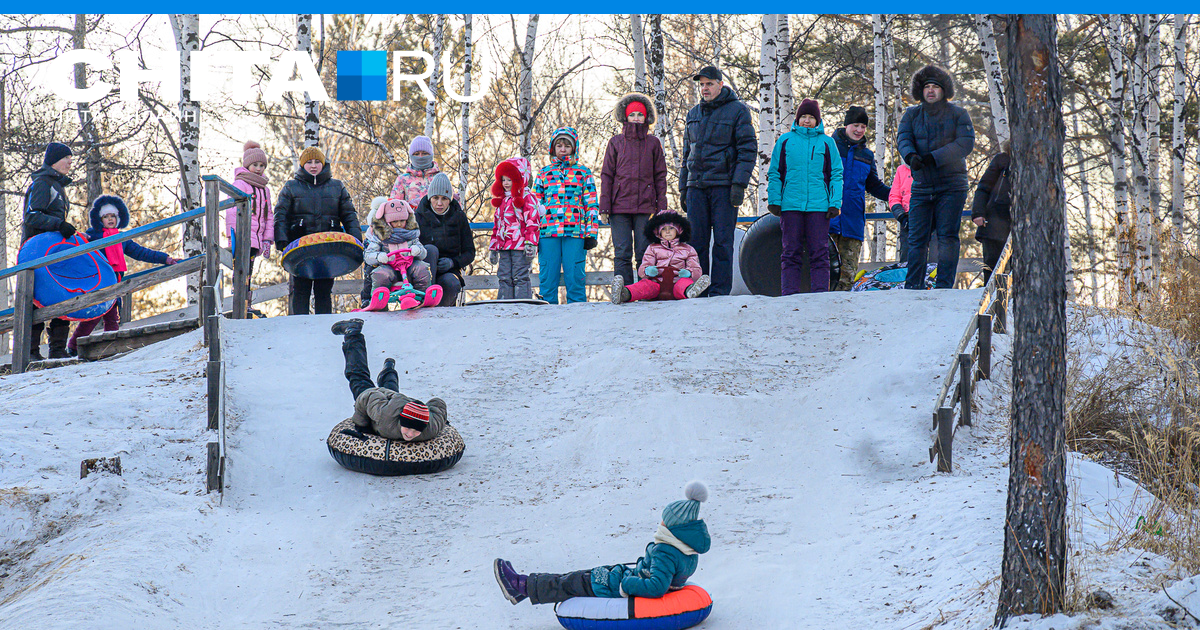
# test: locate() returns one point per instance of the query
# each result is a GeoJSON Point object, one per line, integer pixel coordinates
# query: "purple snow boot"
{"type": "Point", "coordinates": [511, 582]}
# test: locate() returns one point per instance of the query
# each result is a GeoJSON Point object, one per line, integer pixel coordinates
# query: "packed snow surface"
{"type": "Point", "coordinates": [807, 416]}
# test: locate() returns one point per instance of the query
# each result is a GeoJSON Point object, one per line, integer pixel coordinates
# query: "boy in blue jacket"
{"type": "Point", "coordinates": [110, 215]}
{"type": "Point", "coordinates": [669, 561]}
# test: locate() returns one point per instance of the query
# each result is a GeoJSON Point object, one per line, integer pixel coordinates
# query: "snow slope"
{"type": "Point", "coordinates": [807, 416]}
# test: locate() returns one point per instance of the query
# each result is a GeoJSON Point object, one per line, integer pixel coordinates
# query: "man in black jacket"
{"type": "Point", "coordinates": [46, 208]}
{"type": "Point", "coordinates": [990, 212]}
{"type": "Point", "coordinates": [447, 237]}
{"type": "Point", "coordinates": [719, 151]}
{"type": "Point", "coordinates": [935, 137]}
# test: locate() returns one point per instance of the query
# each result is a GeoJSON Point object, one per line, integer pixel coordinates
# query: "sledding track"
{"type": "Point", "coordinates": [807, 416]}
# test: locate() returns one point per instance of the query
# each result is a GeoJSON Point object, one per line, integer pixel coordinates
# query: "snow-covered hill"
{"type": "Point", "coordinates": [807, 416]}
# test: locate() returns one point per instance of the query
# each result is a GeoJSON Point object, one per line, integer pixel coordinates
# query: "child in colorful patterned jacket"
{"type": "Point", "coordinates": [566, 190]}
{"type": "Point", "coordinates": [669, 561]}
{"type": "Point", "coordinates": [394, 247]}
{"type": "Point", "coordinates": [670, 267]}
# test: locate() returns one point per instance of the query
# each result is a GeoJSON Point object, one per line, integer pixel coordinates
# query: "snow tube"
{"type": "Point", "coordinates": [676, 610]}
{"type": "Point", "coordinates": [378, 455]}
{"type": "Point", "coordinates": [758, 259]}
{"type": "Point", "coordinates": [890, 277]}
{"type": "Point", "coordinates": [64, 280]}
{"type": "Point", "coordinates": [322, 255]}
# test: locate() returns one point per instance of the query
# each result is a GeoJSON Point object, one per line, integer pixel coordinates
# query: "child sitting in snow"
{"type": "Point", "coordinates": [669, 561]}
{"type": "Point", "coordinates": [382, 409]}
{"type": "Point", "coordinates": [394, 247]}
{"type": "Point", "coordinates": [670, 268]}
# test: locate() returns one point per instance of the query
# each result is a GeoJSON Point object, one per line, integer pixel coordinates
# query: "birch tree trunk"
{"type": "Point", "coordinates": [187, 39]}
{"type": "Point", "coordinates": [439, 39]}
{"type": "Point", "coordinates": [464, 144]}
{"type": "Point", "coordinates": [1154, 128]}
{"type": "Point", "coordinates": [5, 296]}
{"type": "Point", "coordinates": [312, 109]}
{"type": "Point", "coordinates": [1178, 141]}
{"type": "Point", "coordinates": [1035, 531]}
{"type": "Point", "coordinates": [878, 242]}
{"type": "Point", "coordinates": [639, 53]}
{"type": "Point", "coordinates": [1143, 269]}
{"type": "Point", "coordinates": [525, 88]}
{"type": "Point", "coordinates": [1087, 205]}
{"type": "Point", "coordinates": [783, 78]}
{"type": "Point", "coordinates": [994, 74]}
{"type": "Point", "coordinates": [662, 128]}
{"type": "Point", "coordinates": [87, 125]}
{"type": "Point", "coordinates": [768, 66]}
{"type": "Point", "coordinates": [1125, 226]}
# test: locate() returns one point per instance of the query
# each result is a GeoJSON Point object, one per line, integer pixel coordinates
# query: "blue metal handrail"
{"type": "Point", "coordinates": [873, 216]}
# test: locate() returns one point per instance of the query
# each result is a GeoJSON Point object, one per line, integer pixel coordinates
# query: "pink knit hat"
{"type": "Point", "coordinates": [395, 210]}
{"type": "Point", "coordinates": [252, 152]}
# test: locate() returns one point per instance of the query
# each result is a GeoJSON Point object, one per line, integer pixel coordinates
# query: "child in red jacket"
{"type": "Point", "coordinates": [670, 268]}
{"type": "Point", "coordinates": [514, 228]}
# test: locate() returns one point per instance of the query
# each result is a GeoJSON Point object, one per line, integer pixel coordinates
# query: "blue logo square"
{"type": "Point", "coordinates": [362, 75]}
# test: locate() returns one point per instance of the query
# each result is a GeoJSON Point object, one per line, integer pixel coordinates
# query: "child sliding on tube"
{"type": "Point", "coordinates": [669, 561]}
{"type": "Point", "coordinates": [394, 246]}
{"type": "Point", "coordinates": [670, 267]}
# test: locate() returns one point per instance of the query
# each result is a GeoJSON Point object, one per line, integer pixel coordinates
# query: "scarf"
{"type": "Point", "coordinates": [420, 162]}
{"type": "Point", "coordinates": [257, 181]}
{"type": "Point", "coordinates": [664, 536]}
{"type": "Point", "coordinates": [115, 253]}
{"type": "Point", "coordinates": [401, 235]}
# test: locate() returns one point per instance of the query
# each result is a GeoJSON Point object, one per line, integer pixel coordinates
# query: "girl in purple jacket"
{"type": "Point", "coordinates": [250, 179]}
{"type": "Point", "coordinates": [633, 181]}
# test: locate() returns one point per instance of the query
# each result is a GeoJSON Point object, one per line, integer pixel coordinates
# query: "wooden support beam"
{"type": "Point", "coordinates": [943, 447]}
{"type": "Point", "coordinates": [1003, 293]}
{"type": "Point", "coordinates": [23, 321]}
{"type": "Point", "coordinates": [212, 233]}
{"type": "Point", "coordinates": [214, 467]}
{"type": "Point", "coordinates": [985, 347]}
{"type": "Point", "coordinates": [241, 261]}
{"type": "Point", "coordinates": [964, 386]}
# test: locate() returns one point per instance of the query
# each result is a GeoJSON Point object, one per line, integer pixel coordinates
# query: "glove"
{"type": "Point", "coordinates": [737, 194]}
{"type": "Point", "coordinates": [280, 245]}
{"type": "Point", "coordinates": [683, 202]}
{"type": "Point", "coordinates": [66, 229]}
{"type": "Point", "coordinates": [530, 250]}
{"type": "Point", "coordinates": [832, 212]}
{"type": "Point", "coordinates": [775, 210]}
{"type": "Point", "coordinates": [914, 161]}
{"type": "Point", "coordinates": [494, 257]}
{"type": "Point", "coordinates": [898, 210]}
{"type": "Point", "coordinates": [903, 220]}
{"type": "Point", "coordinates": [590, 242]}
{"type": "Point", "coordinates": [444, 265]}
{"type": "Point", "coordinates": [651, 271]}
{"type": "Point", "coordinates": [927, 160]}
{"type": "Point", "coordinates": [266, 251]}
{"type": "Point", "coordinates": [684, 273]}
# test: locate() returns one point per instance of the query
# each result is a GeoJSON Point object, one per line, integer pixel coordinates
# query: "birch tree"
{"type": "Point", "coordinates": [464, 145]}
{"type": "Point", "coordinates": [878, 243]}
{"type": "Point", "coordinates": [1125, 227]}
{"type": "Point", "coordinates": [783, 78]}
{"type": "Point", "coordinates": [5, 296]}
{"type": "Point", "coordinates": [87, 124]}
{"type": "Point", "coordinates": [662, 127]}
{"type": "Point", "coordinates": [525, 87]}
{"type": "Point", "coordinates": [993, 73]}
{"type": "Point", "coordinates": [439, 39]}
{"type": "Point", "coordinates": [768, 66]}
{"type": "Point", "coordinates": [1178, 141]}
{"type": "Point", "coordinates": [312, 109]}
{"type": "Point", "coordinates": [1035, 530]}
{"type": "Point", "coordinates": [639, 53]}
{"type": "Point", "coordinates": [1154, 138]}
{"type": "Point", "coordinates": [187, 39]}
{"type": "Point", "coordinates": [1143, 267]}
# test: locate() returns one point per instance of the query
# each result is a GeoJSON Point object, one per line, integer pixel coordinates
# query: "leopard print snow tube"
{"type": "Point", "coordinates": [377, 455]}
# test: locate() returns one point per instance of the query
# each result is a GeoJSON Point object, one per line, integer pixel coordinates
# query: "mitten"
{"type": "Point", "coordinates": [914, 161]}
{"type": "Point", "coordinates": [494, 257]}
{"type": "Point", "coordinates": [903, 220]}
{"type": "Point", "coordinates": [266, 251]}
{"type": "Point", "coordinates": [651, 271]}
{"type": "Point", "coordinates": [66, 229]}
{"type": "Point", "coordinates": [530, 250]}
{"type": "Point", "coordinates": [927, 160]}
{"type": "Point", "coordinates": [684, 273]}
{"type": "Point", "coordinates": [444, 265]}
{"type": "Point", "coordinates": [737, 194]}
{"type": "Point", "coordinates": [590, 242]}
{"type": "Point", "coordinates": [775, 210]}
{"type": "Point", "coordinates": [832, 212]}
{"type": "Point", "coordinates": [897, 210]}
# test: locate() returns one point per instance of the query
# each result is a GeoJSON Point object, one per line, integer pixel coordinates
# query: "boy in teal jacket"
{"type": "Point", "coordinates": [669, 561]}
{"type": "Point", "coordinates": [804, 189]}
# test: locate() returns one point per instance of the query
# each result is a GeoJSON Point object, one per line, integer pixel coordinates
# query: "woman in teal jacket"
{"type": "Point", "coordinates": [804, 189]}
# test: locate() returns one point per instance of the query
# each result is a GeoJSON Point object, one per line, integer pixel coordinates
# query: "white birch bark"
{"type": "Point", "coordinates": [1143, 270]}
{"type": "Point", "coordinates": [657, 71]}
{"type": "Point", "coordinates": [784, 108]}
{"type": "Point", "coordinates": [639, 53]}
{"type": "Point", "coordinates": [768, 66]}
{"type": "Point", "coordinates": [525, 87]}
{"type": "Point", "coordinates": [87, 124]}
{"type": "Point", "coordinates": [5, 295]}
{"type": "Point", "coordinates": [1178, 140]}
{"type": "Point", "coordinates": [187, 40]}
{"type": "Point", "coordinates": [464, 144]}
{"type": "Point", "coordinates": [1125, 228]}
{"type": "Point", "coordinates": [439, 39]}
{"type": "Point", "coordinates": [1154, 140]}
{"type": "Point", "coordinates": [994, 74]}
{"type": "Point", "coordinates": [312, 109]}
{"type": "Point", "coordinates": [878, 242]}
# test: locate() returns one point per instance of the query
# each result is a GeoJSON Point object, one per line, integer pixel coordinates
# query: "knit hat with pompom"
{"type": "Point", "coordinates": [252, 152]}
{"type": "Point", "coordinates": [688, 510]}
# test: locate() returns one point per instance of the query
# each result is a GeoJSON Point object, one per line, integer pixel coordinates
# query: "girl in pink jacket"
{"type": "Point", "coordinates": [514, 229]}
{"type": "Point", "coordinates": [250, 179]}
{"type": "Point", "coordinates": [670, 269]}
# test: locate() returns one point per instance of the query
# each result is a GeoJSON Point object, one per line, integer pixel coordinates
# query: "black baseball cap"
{"type": "Point", "coordinates": [708, 72]}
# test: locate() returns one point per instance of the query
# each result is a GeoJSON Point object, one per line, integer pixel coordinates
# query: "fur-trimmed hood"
{"type": "Point", "coordinates": [109, 200]}
{"type": "Point", "coordinates": [516, 169]}
{"type": "Point", "coordinates": [619, 110]}
{"type": "Point", "coordinates": [662, 218]}
{"type": "Point", "coordinates": [931, 74]}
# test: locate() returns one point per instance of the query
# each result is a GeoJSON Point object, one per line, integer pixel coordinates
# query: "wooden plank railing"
{"type": "Point", "coordinates": [968, 368]}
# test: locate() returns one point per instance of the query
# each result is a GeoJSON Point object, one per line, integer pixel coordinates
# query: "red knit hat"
{"type": "Point", "coordinates": [414, 416]}
{"type": "Point", "coordinates": [635, 106]}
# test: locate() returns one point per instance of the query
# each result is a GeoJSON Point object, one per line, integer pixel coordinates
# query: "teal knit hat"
{"type": "Point", "coordinates": [688, 510]}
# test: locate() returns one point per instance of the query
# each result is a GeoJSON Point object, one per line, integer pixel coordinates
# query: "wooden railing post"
{"type": "Point", "coordinates": [126, 309]}
{"type": "Point", "coordinates": [985, 347]}
{"type": "Point", "coordinates": [22, 322]}
{"type": "Point", "coordinates": [945, 439]}
{"type": "Point", "coordinates": [1003, 293]}
{"type": "Point", "coordinates": [241, 261]}
{"type": "Point", "coordinates": [964, 386]}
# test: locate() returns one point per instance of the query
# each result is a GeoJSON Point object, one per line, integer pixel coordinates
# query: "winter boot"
{"type": "Point", "coordinates": [347, 327]}
{"type": "Point", "coordinates": [620, 294]}
{"type": "Point", "coordinates": [379, 300]}
{"type": "Point", "coordinates": [698, 287]}
{"type": "Point", "coordinates": [408, 302]}
{"type": "Point", "coordinates": [433, 295]}
{"type": "Point", "coordinates": [58, 341]}
{"type": "Point", "coordinates": [511, 582]}
{"type": "Point", "coordinates": [389, 364]}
